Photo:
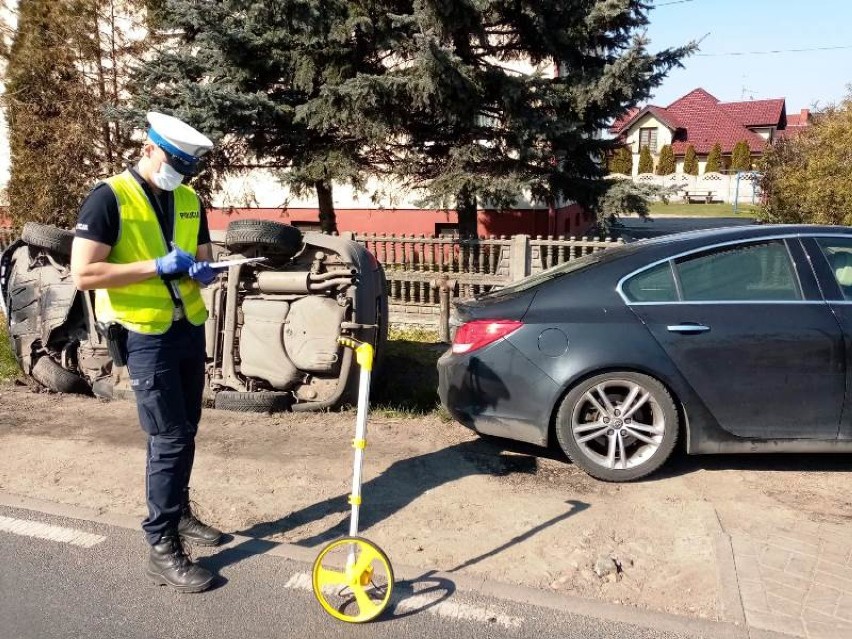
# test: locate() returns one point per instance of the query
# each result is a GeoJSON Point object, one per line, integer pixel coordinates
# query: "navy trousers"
{"type": "Point", "coordinates": [167, 375]}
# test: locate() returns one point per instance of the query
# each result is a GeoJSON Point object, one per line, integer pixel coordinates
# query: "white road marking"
{"type": "Point", "coordinates": [47, 531]}
{"type": "Point", "coordinates": [430, 603]}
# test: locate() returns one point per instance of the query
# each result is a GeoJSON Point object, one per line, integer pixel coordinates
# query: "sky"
{"type": "Point", "coordinates": [803, 78]}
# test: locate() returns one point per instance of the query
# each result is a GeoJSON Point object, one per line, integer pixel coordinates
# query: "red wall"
{"type": "Point", "coordinates": [569, 220]}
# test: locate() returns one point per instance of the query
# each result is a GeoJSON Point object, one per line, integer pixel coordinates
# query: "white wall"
{"type": "Point", "coordinates": [724, 187]}
{"type": "Point", "coordinates": [664, 136]}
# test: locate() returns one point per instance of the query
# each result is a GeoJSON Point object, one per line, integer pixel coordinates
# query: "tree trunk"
{"type": "Point", "coordinates": [466, 212]}
{"type": "Point", "coordinates": [327, 219]}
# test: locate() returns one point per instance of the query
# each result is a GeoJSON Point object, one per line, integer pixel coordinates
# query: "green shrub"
{"type": "Point", "coordinates": [666, 165]}
{"type": "Point", "coordinates": [690, 161]}
{"type": "Point", "coordinates": [741, 157]}
{"type": "Point", "coordinates": [714, 160]}
{"type": "Point", "coordinates": [806, 179]}
{"type": "Point", "coordinates": [621, 161]}
{"type": "Point", "coordinates": [646, 162]}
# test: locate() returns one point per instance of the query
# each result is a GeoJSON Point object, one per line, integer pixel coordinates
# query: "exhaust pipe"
{"type": "Point", "coordinates": [302, 282]}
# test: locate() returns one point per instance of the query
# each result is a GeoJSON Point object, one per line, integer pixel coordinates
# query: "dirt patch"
{"type": "Point", "coordinates": [436, 496]}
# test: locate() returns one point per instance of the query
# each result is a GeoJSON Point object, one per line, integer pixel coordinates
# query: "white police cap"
{"type": "Point", "coordinates": [183, 144]}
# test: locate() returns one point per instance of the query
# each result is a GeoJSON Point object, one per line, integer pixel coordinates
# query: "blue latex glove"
{"type": "Point", "coordinates": [202, 273]}
{"type": "Point", "coordinates": [174, 263]}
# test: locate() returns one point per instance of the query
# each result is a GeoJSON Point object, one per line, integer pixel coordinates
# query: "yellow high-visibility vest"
{"type": "Point", "coordinates": [146, 306]}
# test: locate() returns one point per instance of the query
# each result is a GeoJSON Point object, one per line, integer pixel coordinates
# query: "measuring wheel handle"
{"type": "Point", "coordinates": [352, 593]}
{"type": "Point", "coordinates": [364, 352]}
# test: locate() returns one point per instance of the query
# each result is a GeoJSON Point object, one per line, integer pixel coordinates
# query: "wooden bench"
{"type": "Point", "coordinates": [698, 196]}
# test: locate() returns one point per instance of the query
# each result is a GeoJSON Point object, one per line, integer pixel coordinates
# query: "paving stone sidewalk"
{"type": "Point", "coordinates": [797, 582]}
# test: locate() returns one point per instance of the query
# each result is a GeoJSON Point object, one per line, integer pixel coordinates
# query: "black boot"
{"type": "Point", "coordinates": [195, 531]}
{"type": "Point", "coordinates": [168, 565]}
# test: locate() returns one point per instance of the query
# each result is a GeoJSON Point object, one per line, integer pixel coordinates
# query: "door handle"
{"type": "Point", "coordinates": [687, 328]}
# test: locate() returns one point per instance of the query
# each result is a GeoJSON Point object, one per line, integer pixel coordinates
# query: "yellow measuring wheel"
{"type": "Point", "coordinates": [352, 577]}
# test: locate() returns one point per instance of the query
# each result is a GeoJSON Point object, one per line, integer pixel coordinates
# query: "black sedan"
{"type": "Point", "coordinates": [737, 340]}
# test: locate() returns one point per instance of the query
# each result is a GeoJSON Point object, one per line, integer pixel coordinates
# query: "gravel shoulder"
{"type": "Point", "coordinates": [436, 496]}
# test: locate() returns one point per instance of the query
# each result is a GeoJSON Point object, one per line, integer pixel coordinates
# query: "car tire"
{"type": "Point", "coordinates": [52, 376]}
{"type": "Point", "coordinates": [261, 402]}
{"type": "Point", "coordinates": [48, 237]}
{"type": "Point", "coordinates": [621, 451]}
{"type": "Point", "coordinates": [281, 239]}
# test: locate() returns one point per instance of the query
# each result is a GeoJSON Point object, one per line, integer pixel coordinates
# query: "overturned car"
{"type": "Point", "coordinates": [272, 334]}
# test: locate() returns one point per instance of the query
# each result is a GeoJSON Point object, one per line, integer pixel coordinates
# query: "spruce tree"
{"type": "Point", "coordinates": [646, 162]}
{"type": "Point", "coordinates": [52, 114]}
{"type": "Point", "coordinates": [714, 160]}
{"type": "Point", "coordinates": [252, 75]}
{"type": "Point", "coordinates": [741, 157]}
{"type": "Point", "coordinates": [478, 131]}
{"type": "Point", "coordinates": [690, 161]}
{"type": "Point", "coordinates": [425, 91]}
{"type": "Point", "coordinates": [666, 163]}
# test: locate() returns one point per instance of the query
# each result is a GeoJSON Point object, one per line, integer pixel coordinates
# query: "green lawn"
{"type": "Point", "coordinates": [408, 382]}
{"type": "Point", "coordinates": [702, 210]}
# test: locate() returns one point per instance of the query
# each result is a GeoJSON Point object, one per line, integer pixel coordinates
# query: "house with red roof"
{"type": "Point", "coordinates": [701, 120]}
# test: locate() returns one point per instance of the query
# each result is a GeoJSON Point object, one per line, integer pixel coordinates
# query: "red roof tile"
{"type": "Point", "coordinates": [666, 117]}
{"type": "Point", "coordinates": [699, 119]}
{"type": "Point", "coordinates": [621, 122]}
{"type": "Point", "coordinates": [756, 112]}
{"type": "Point", "coordinates": [707, 123]}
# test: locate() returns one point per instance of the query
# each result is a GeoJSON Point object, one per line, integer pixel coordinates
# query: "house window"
{"type": "Point", "coordinates": [446, 230]}
{"type": "Point", "coordinates": [306, 227]}
{"type": "Point", "coordinates": [648, 137]}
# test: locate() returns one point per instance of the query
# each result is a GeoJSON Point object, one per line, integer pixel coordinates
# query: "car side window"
{"type": "Point", "coordinates": [654, 285]}
{"type": "Point", "coordinates": [756, 272]}
{"type": "Point", "coordinates": [838, 253]}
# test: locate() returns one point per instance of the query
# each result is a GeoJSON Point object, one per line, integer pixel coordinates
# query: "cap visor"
{"type": "Point", "coordinates": [184, 168]}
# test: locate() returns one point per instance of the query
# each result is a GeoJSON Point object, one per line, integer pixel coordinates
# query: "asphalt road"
{"type": "Point", "coordinates": [57, 589]}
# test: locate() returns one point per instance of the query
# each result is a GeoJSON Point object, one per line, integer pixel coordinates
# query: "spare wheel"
{"type": "Point", "coordinates": [51, 375]}
{"type": "Point", "coordinates": [258, 402]}
{"type": "Point", "coordinates": [282, 239]}
{"type": "Point", "coordinates": [48, 237]}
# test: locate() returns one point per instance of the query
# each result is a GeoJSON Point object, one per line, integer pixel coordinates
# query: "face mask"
{"type": "Point", "coordinates": [166, 178]}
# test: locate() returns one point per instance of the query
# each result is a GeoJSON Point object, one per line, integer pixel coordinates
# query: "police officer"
{"type": "Point", "coordinates": [143, 243]}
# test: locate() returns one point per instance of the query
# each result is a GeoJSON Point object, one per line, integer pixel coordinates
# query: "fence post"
{"type": "Point", "coordinates": [445, 287]}
{"type": "Point", "coordinates": [520, 263]}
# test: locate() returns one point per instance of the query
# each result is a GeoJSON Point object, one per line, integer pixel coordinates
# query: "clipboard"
{"type": "Point", "coordinates": [236, 262]}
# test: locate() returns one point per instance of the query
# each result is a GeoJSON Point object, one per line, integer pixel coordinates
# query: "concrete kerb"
{"type": "Point", "coordinates": [730, 599]}
{"type": "Point", "coordinates": [469, 584]}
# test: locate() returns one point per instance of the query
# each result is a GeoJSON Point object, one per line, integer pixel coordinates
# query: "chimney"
{"type": "Point", "coordinates": [804, 117]}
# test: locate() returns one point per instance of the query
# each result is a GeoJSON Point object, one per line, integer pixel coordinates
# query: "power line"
{"type": "Point", "coordinates": [773, 51]}
{"type": "Point", "coordinates": [663, 4]}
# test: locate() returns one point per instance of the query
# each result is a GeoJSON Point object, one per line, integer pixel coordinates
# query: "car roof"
{"type": "Point", "coordinates": [733, 233]}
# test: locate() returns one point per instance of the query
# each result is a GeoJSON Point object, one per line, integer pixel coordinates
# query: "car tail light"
{"type": "Point", "coordinates": [478, 333]}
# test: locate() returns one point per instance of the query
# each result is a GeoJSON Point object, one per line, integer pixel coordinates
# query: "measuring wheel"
{"type": "Point", "coordinates": [353, 579]}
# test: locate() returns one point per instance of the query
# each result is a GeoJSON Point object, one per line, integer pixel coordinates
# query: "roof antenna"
{"type": "Point", "coordinates": [748, 92]}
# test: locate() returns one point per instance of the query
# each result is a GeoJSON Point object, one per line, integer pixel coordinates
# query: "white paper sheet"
{"type": "Point", "coordinates": [235, 262]}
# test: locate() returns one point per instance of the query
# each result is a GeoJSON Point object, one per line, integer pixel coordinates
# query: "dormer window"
{"type": "Point", "coordinates": [648, 137]}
